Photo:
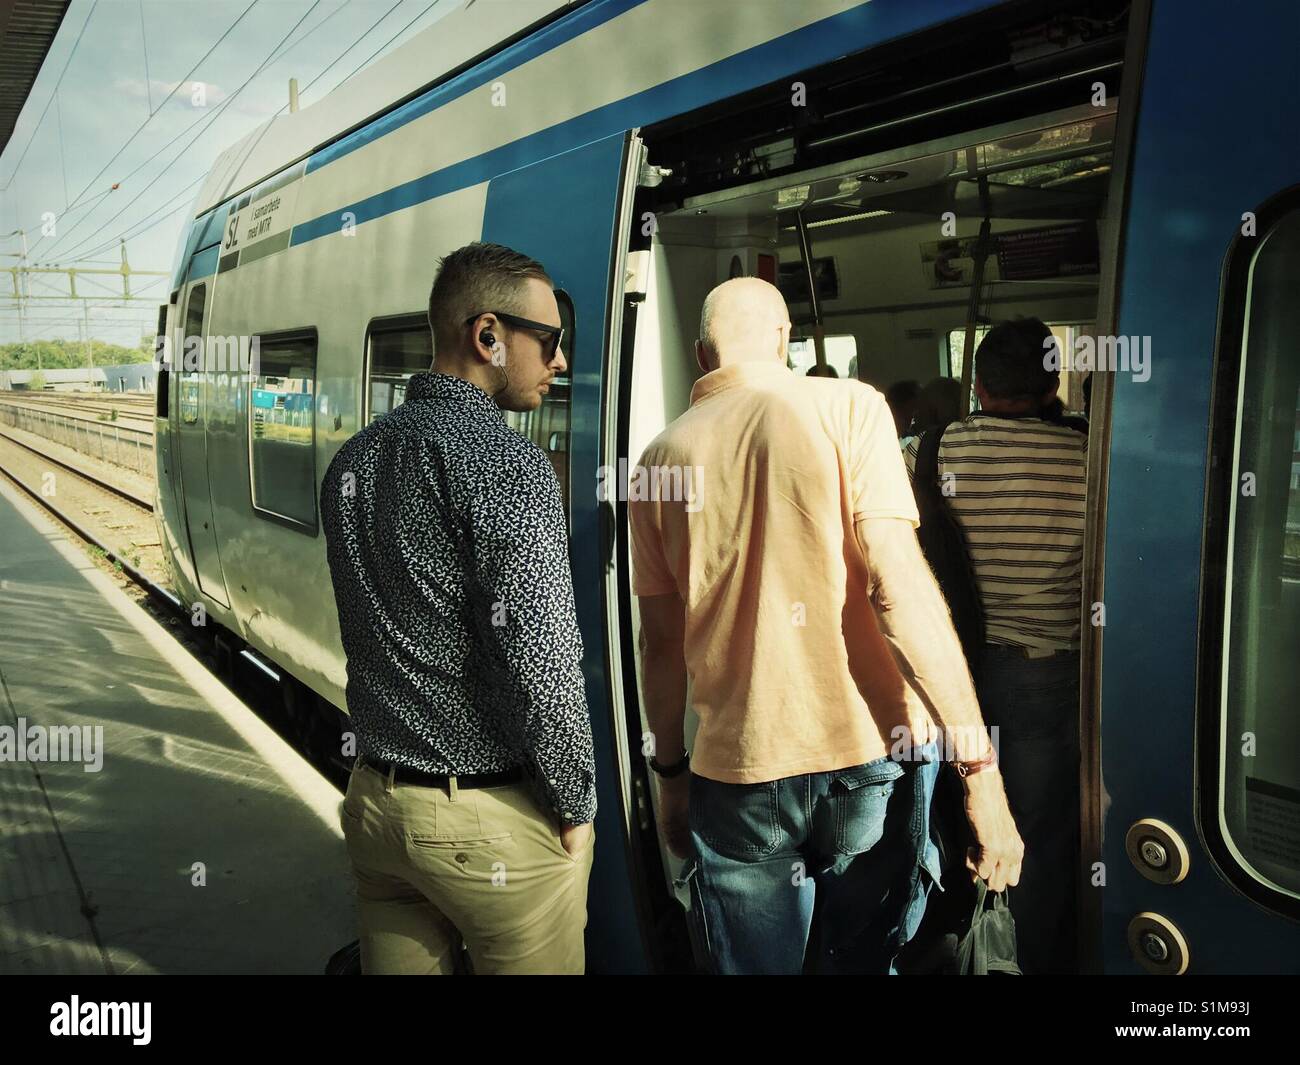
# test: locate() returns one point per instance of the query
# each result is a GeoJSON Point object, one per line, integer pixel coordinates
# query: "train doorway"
{"type": "Point", "coordinates": [912, 250]}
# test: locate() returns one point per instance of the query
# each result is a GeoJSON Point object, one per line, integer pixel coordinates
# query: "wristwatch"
{"type": "Point", "coordinates": [676, 769]}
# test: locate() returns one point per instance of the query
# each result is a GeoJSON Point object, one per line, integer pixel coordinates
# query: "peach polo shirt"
{"type": "Point", "coordinates": [753, 496]}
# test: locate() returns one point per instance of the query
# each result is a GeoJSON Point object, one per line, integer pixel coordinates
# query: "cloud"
{"type": "Point", "coordinates": [255, 100]}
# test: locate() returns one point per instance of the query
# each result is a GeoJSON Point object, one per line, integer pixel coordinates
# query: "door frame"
{"type": "Point", "coordinates": [663, 921]}
{"type": "Point", "coordinates": [513, 216]}
{"type": "Point", "coordinates": [1091, 637]}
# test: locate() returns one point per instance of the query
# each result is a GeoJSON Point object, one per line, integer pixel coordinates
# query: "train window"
{"type": "Point", "coordinates": [160, 360]}
{"type": "Point", "coordinates": [191, 354]}
{"type": "Point", "coordinates": [282, 429]}
{"type": "Point", "coordinates": [841, 353]}
{"type": "Point", "coordinates": [548, 426]}
{"type": "Point", "coordinates": [397, 349]}
{"type": "Point", "coordinates": [400, 347]}
{"type": "Point", "coordinates": [1258, 777]}
{"type": "Point", "coordinates": [957, 348]}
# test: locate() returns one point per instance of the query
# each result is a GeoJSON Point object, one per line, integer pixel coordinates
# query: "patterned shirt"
{"type": "Point", "coordinates": [1019, 488]}
{"type": "Point", "coordinates": [449, 557]}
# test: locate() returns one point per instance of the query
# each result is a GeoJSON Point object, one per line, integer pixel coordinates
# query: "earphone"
{"type": "Point", "coordinates": [489, 338]}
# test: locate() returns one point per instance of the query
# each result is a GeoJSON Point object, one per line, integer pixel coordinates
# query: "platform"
{"type": "Point", "coordinates": [98, 868]}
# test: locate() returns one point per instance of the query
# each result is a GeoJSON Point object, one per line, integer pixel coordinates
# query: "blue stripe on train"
{"type": "Point", "coordinates": [861, 27]}
{"type": "Point", "coordinates": [563, 30]}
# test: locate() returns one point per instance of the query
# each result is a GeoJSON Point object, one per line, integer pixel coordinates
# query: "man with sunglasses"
{"type": "Point", "coordinates": [468, 813]}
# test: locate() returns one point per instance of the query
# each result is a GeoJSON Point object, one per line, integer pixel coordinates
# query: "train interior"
{"type": "Point", "coordinates": [892, 234]}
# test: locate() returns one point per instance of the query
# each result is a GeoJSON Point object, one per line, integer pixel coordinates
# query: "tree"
{"type": "Point", "coordinates": [69, 354]}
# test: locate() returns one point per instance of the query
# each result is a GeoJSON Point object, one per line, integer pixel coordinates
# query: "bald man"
{"type": "Point", "coordinates": [822, 659]}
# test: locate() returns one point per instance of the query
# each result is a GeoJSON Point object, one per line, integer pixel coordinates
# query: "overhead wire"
{"type": "Point", "coordinates": [225, 103]}
{"type": "Point", "coordinates": [40, 121]}
{"type": "Point", "coordinates": [274, 57]}
{"type": "Point", "coordinates": [147, 223]}
{"type": "Point", "coordinates": [64, 325]}
{"type": "Point", "coordinates": [144, 42]}
{"type": "Point", "coordinates": [350, 47]}
{"type": "Point", "coordinates": [296, 44]}
{"type": "Point", "coordinates": [118, 301]}
{"type": "Point", "coordinates": [127, 143]}
{"type": "Point", "coordinates": [138, 228]}
{"type": "Point", "coordinates": [205, 120]}
{"type": "Point", "coordinates": [424, 11]}
{"type": "Point", "coordinates": [63, 157]}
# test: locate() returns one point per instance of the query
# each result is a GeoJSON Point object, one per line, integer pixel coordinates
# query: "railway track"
{"type": "Point", "coordinates": [143, 400]}
{"type": "Point", "coordinates": [90, 397]}
{"type": "Point", "coordinates": [140, 421]}
{"type": "Point", "coordinates": [99, 482]}
{"type": "Point", "coordinates": [113, 554]}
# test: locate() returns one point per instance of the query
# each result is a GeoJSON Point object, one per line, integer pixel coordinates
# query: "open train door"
{"type": "Point", "coordinates": [1197, 791]}
{"type": "Point", "coordinates": [572, 212]}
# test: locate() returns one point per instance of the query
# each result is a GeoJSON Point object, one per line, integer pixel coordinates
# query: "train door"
{"type": "Point", "coordinates": [1198, 788]}
{"type": "Point", "coordinates": [570, 212]}
{"type": "Point", "coordinates": [193, 397]}
{"type": "Point", "coordinates": [169, 504]}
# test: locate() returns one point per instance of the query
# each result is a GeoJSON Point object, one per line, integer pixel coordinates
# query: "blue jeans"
{"type": "Point", "coordinates": [1034, 702]}
{"type": "Point", "coordinates": [823, 872]}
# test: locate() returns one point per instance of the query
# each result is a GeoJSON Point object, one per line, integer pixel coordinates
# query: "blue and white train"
{"type": "Point", "coordinates": [906, 170]}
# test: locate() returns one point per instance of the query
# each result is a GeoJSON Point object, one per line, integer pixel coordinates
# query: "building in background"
{"type": "Point", "coordinates": [130, 377]}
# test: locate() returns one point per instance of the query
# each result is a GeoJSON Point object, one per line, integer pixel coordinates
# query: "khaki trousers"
{"type": "Point", "coordinates": [435, 866]}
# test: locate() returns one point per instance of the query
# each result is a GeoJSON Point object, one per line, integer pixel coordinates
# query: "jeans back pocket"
{"type": "Point", "coordinates": [738, 821]}
{"type": "Point", "coordinates": [861, 799]}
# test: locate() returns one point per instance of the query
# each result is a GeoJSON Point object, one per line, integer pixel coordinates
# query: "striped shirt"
{"type": "Point", "coordinates": [1018, 486]}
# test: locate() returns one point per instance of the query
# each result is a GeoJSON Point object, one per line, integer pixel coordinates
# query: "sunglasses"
{"type": "Point", "coordinates": [549, 347]}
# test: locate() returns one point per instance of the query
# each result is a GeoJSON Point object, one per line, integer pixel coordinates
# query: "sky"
{"type": "Point", "coordinates": [115, 103]}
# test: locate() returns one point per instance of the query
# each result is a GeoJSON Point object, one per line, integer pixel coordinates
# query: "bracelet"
{"type": "Point", "coordinates": [989, 761]}
{"type": "Point", "coordinates": [671, 770]}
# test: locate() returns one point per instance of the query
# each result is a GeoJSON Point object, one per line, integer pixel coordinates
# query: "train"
{"type": "Point", "coordinates": [905, 171]}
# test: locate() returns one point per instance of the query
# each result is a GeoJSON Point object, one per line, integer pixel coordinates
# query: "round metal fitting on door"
{"type": "Point", "coordinates": [1157, 851]}
{"type": "Point", "coordinates": [1158, 945]}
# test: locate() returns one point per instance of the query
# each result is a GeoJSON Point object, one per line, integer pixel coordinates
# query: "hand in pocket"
{"type": "Point", "coordinates": [575, 838]}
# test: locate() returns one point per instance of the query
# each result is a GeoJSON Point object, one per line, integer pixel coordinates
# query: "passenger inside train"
{"type": "Point", "coordinates": [902, 398]}
{"type": "Point", "coordinates": [876, 227]}
{"type": "Point", "coordinates": [819, 679]}
{"type": "Point", "coordinates": [1015, 480]}
{"type": "Point", "coordinates": [938, 404]}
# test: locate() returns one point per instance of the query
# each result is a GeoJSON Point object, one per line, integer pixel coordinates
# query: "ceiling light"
{"type": "Point", "coordinates": [848, 218]}
{"type": "Point", "coordinates": [844, 218]}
